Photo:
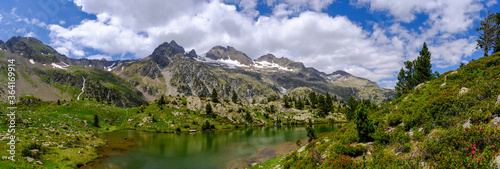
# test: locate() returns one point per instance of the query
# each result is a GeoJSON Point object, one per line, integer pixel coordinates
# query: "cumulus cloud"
{"type": "Point", "coordinates": [30, 34]}
{"type": "Point", "coordinates": [107, 57]}
{"type": "Point", "coordinates": [296, 29]}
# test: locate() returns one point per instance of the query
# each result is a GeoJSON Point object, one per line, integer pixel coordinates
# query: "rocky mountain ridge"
{"type": "Point", "coordinates": [170, 70]}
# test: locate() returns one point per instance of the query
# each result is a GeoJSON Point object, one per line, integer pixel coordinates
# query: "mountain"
{"type": "Point", "coordinates": [46, 74]}
{"type": "Point", "coordinates": [452, 121]}
{"type": "Point", "coordinates": [169, 70]}
{"type": "Point", "coordinates": [227, 69]}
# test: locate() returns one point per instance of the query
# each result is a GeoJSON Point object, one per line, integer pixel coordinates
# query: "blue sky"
{"type": "Point", "coordinates": [367, 38]}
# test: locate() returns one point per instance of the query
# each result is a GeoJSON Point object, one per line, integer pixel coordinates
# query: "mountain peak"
{"type": "Point", "coordinates": [228, 53]}
{"type": "Point", "coordinates": [285, 62]}
{"type": "Point", "coordinates": [177, 47]}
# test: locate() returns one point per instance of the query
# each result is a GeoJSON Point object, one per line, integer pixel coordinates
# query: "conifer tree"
{"type": "Point", "coordinates": [364, 125]}
{"type": "Point", "coordinates": [423, 66]}
{"type": "Point", "coordinates": [488, 33]}
{"type": "Point", "coordinates": [214, 96]}
{"type": "Point", "coordinates": [313, 98]}
{"type": "Point", "coordinates": [234, 98]}
{"type": "Point", "coordinates": [96, 121]}
{"type": "Point", "coordinates": [208, 109]}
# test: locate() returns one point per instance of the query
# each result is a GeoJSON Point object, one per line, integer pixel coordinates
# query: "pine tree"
{"type": "Point", "coordinates": [286, 101]}
{"type": "Point", "coordinates": [401, 87]}
{"type": "Point", "coordinates": [364, 126]}
{"type": "Point", "coordinates": [58, 102]}
{"type": "Point", "coordinates": [234, 98]}
{"type": "Point", "coordinates": [353, 105]}
{"type": "Point", "coordinates": [214, 96]}
{"type": "Point", "coordinates": [329, 103]}
{"type": "Point", "coordinates": [497, 41]}
{"type": "Point", "coordinates": [487, 33]}
{"type": "Point", "coordinates": [423, 66]}
{"type": "Point", "coordinates": [322, 105]}
{"type": "Point", "coordinates": [313, 98]}
{"type": "Point", "coordinates": [96, 121]}
{"type": "Point", "coordinates": [310, 131]}
{"type": "Point", "coordinates": [208, 109]}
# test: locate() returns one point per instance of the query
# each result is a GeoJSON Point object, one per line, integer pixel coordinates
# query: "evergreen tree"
{"type": "Point", "coordinates": [208, 109]}
{"type": "Point", "coordinates": [214, 96]}
{"type": "Point", "coordinates": [248, 118]}
{"type": "Point", "coordinates": [415, 72]}
{"type": "Point", "coordinates": [322, 105]}
{"type": "Point", "coordinates": [96, 121]}
{"type": "Point", "coordinates": [351, 110]}
{"type": "Point", "coordinates": [299, 104]}
{"type": "Point", "coordinates": [234, 98]}
{"type": "Point", "coordinates": [364, 126]}
{"type": "Point", "coordinates": [286, 102]}
{"type": "Point", "coordinates": [313, 98]}
{"type": "Point", "coordinates": [423, 66]}
{"type": "Point", "coordinates": [497, 41]}
{"type": "Point", "coordinates": [488, 33]}
{"type": "Point", "coordinates": [329, 103]}
{"type": "Point", "coordinates": [310, 131]}
{"type": "Point", "coordinates": [401, 87]}
{"type": "Point", "coordinates": [58, 102]}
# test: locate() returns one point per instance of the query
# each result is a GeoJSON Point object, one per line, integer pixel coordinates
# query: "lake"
{"type": "Point", "coordinates": [214, 149]}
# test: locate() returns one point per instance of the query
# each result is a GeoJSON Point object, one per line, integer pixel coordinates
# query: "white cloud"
{"type": "Point", "coordinates": [107, 57]}
{"type": "Point", "coordinates": [297, 6]}
{"type": "Point", "coordinates": [30, 34]}
{"type": "Point", "coordinates": [296, 29]}
{"type": "Point", "coordinates": [1, 17]}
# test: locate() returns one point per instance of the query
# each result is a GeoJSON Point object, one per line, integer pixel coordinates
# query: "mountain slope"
{"type": "Point", "coordinates": [46, 74]}
{"type": "Point", "coordinates": [449, 122]}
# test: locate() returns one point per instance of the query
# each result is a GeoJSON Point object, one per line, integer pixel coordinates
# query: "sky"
{"type": "Point", "coordinates": [367, 38]}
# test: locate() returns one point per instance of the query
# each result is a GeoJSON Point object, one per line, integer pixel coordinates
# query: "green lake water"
{"type": "Point", "coordinates": [214, 149]}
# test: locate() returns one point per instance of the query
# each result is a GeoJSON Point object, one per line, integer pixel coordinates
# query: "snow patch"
{"type": "Point", "coordinates": [283, 90]}
{"type": "Point", "coordinates": [267, 65]}
{"type": "Point", "coordinates": [32, 61]}
{"type": "Point", "coordinates": [225, 63]}
{"type": "Point", "coordinates": [58, 66]}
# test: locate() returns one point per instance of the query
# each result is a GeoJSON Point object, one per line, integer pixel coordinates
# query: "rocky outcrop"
{"type": "Point", "coordinates": [229, 53]}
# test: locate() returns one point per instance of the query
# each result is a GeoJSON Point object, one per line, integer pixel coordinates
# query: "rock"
{"type": "Point", "coordinates": [420, 85]}
{"type": "Point", "coordinates": [253, 164]}
{"type": "Point", "coordinates": [420, 129]}
{"type": "Point", "coordinates": [5, 157]}
{"type": "Point", "coordinates": [29, 159]}
{"type": "Point", "coordinates": [444, 84]}
{"type": "Point", "coordinates": [301, 149]}
{"type": "Point", "coordinates": [454, 72]}
{"type": "Point", "coordinates": [496, 162]}
{"type": "Point", "coordinates": [130, 119]}
{"type": "Point", "coordinates": [467, 124]}
{"type": "Point", "coordinates": [496, 121]}
{"type": "Point", "coordinates": [194, 103]}
{"type": "Point", "coordinates": [463, 90]}
{"type": "Point", "coordinates": [38, 162]}
{"type": "Point", "coordinates": [145, 120]}
{"type": "Point", "coordinates": [410, 133]}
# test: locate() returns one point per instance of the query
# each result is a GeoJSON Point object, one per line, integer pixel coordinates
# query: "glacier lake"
{"type": "Point", "coordinates": [213, 149]}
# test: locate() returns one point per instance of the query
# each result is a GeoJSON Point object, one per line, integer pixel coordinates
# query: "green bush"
{"type": "Point", "coordinates": [351, 150]}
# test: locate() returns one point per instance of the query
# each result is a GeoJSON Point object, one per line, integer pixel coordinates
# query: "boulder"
{"type": "Point", "coordinates": [463, 90]}
{"type": "Point", "coordinates": [30, 159]}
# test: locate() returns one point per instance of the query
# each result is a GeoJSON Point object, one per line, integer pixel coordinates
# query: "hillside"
{"type": "Point", "coordinates": [449, 122]}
